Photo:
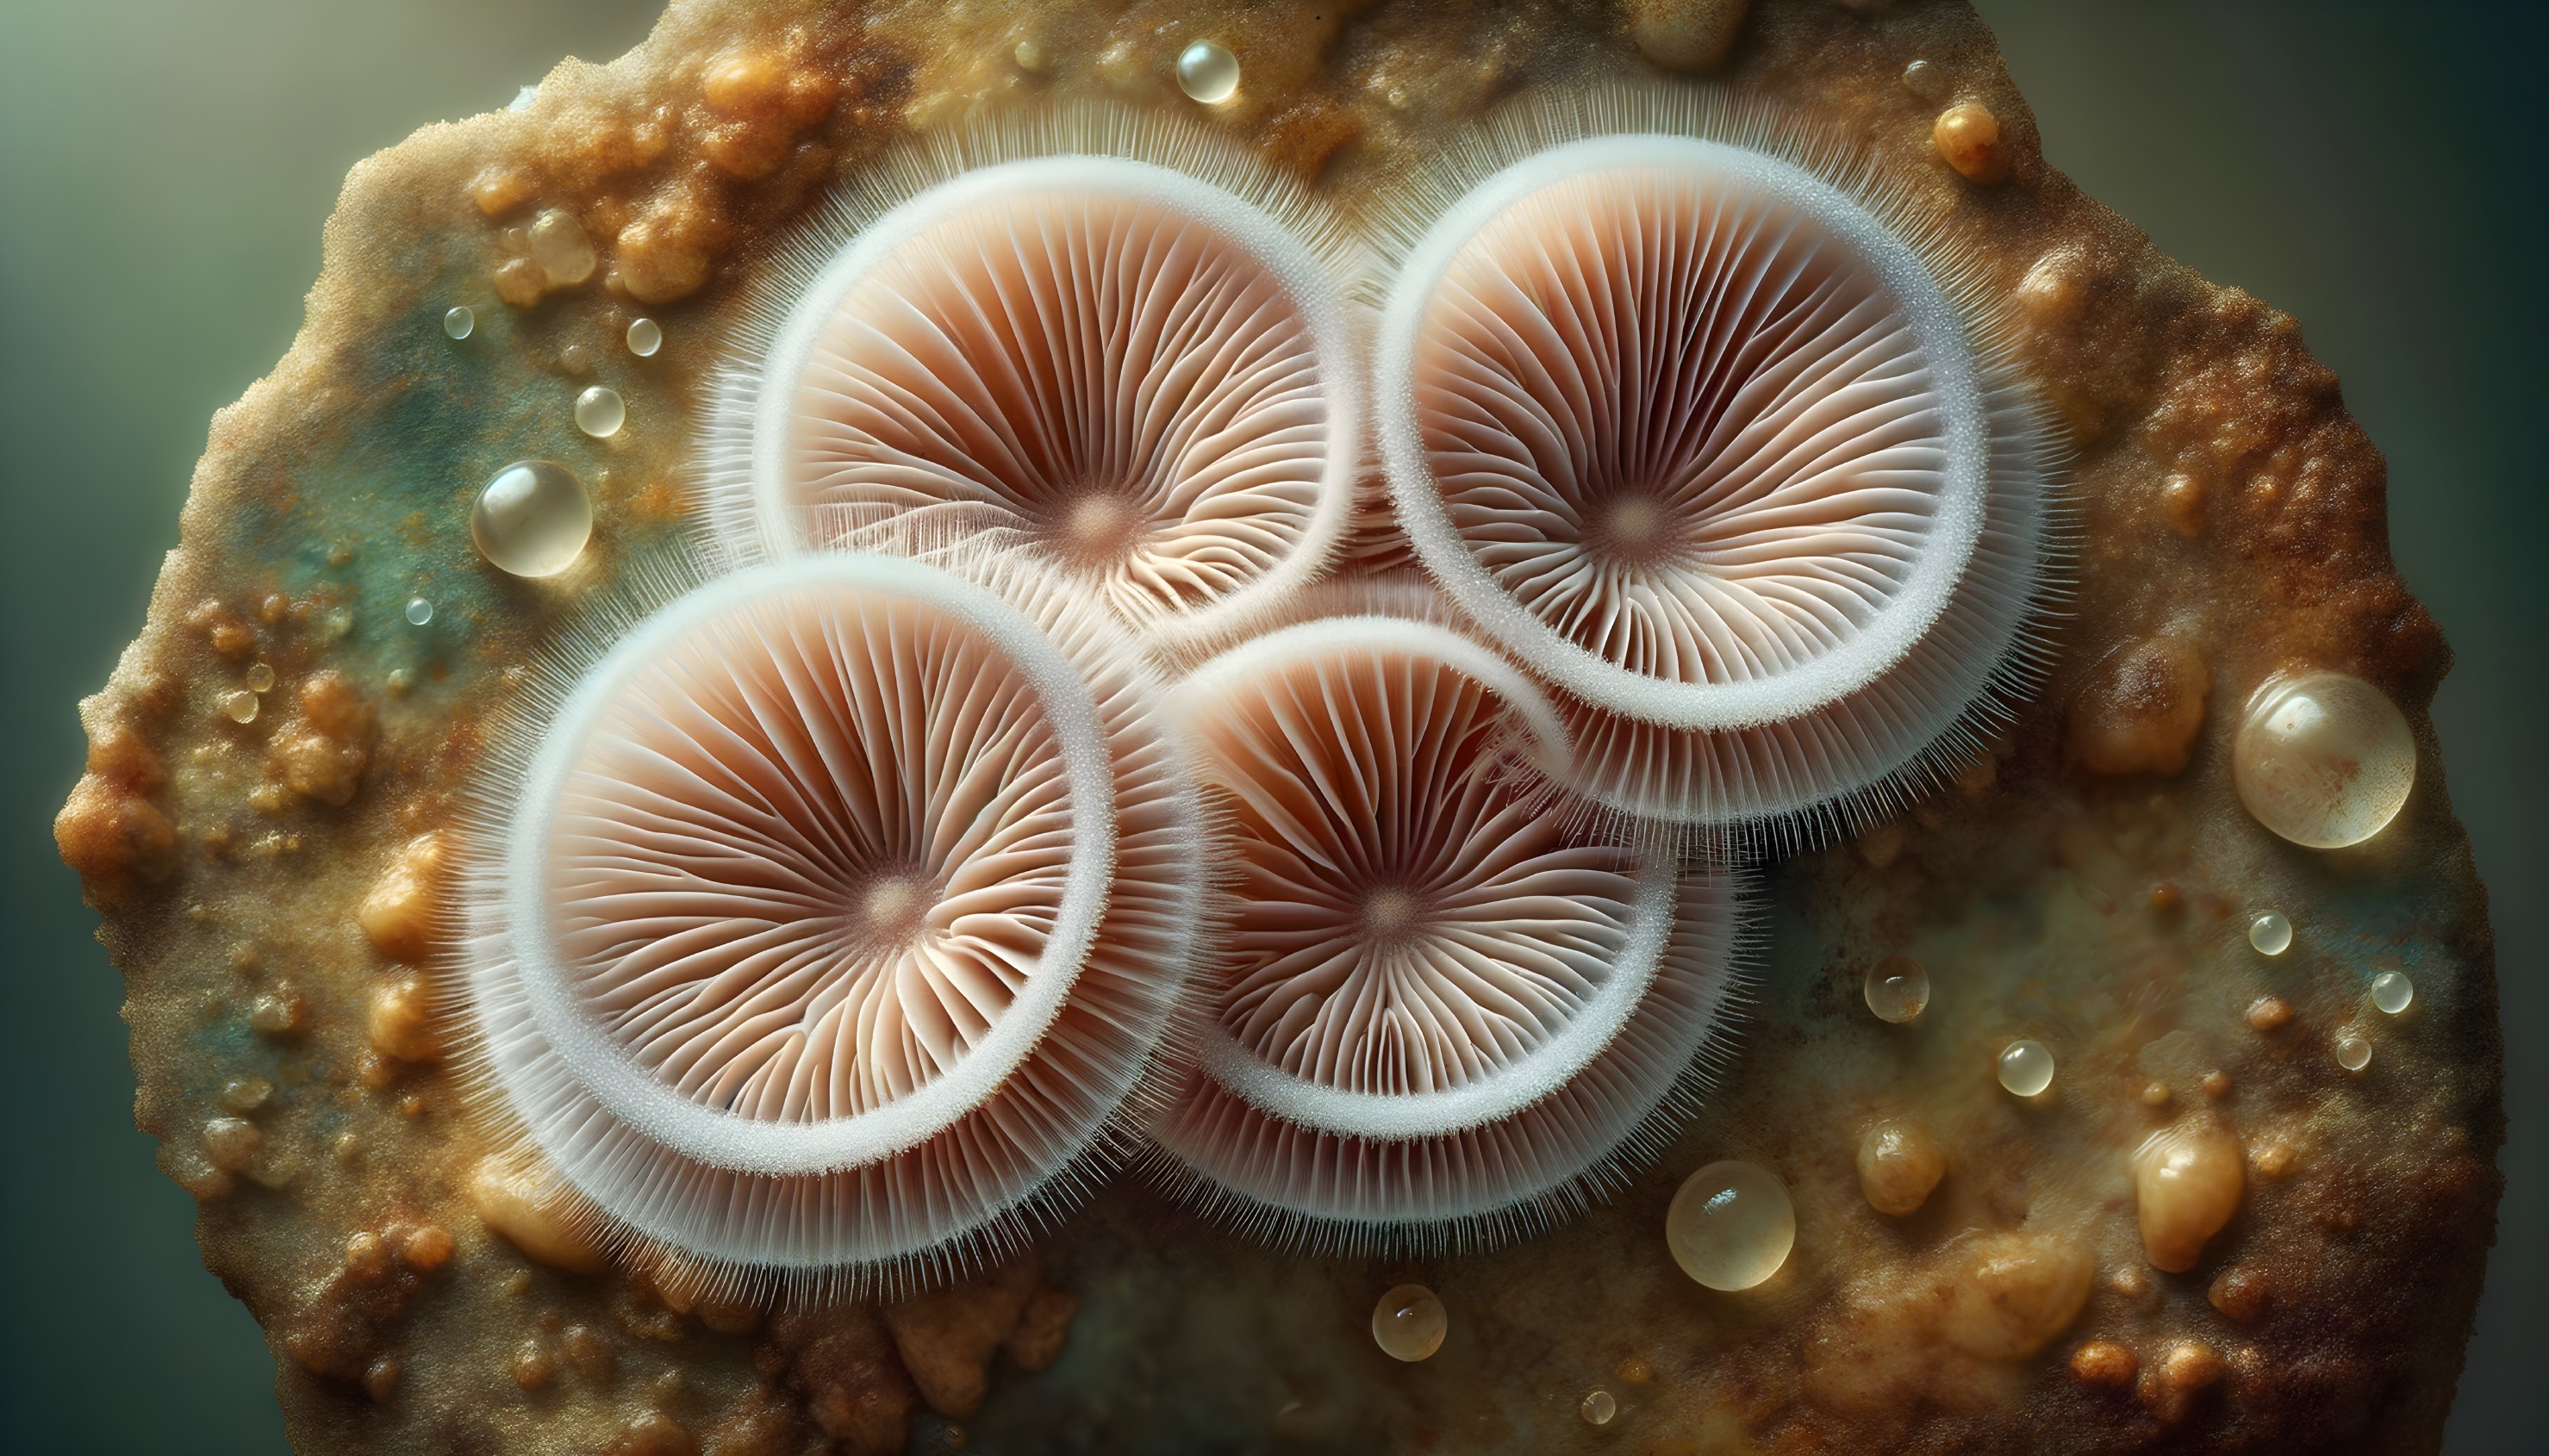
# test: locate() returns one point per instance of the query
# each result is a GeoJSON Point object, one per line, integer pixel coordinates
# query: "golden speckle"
{"type": "Point", "coordinates": [367, 1256]}
{"type": "Point", "coordinates": [2267, 1013]}
{"type": "Point", "coordinates": [230, 1144]}
{"type": "Point", "coordinates": [2187, 1183]}
{"type": "Point", "coordinates": [381, 1378]}
{"type": "Point", "coordinates": [2274, 1159]}
{"type": "Point", "coordinates": [2191, 1366]}
{"type": "Point", "coordinates": [533, 1215]}
{"type": "Point", "coordinates": [1633, 1371]}
{"type": "Point", "coordinates": [499, 190]}
{"type": "Point", "coordinates": [2155, 1094]}
{"type": "Point", "coordinates": [2239, 1293]}
{"type": "Point", "coordinates": [2015, 1293]}
{"type": "Point", "coordinates": [2216, 1084]}
{"type": "Point", "coordinates": [534, 1368]}
{"type": "Point", "coordinates": [245, 1094]}
{"type": "Point", "coordinates": [2181, 500]}
{"type": "Point", "coordinates": [1898, 1163]}
{"type": "Point", "coordinates": [399, 914]}
{"type": "Point", "coordinates": [2105, 1364]}
{"type": "Point", "coordinates": [2139, 709]}
{"type": "Point", "coordinates": [1685, 34]}
{"type": "Point", "coordinates": [401, 1022]}
{"type": "Point", "coordinates": [279, 1013]}
{"type": "Point", "coordinates": [423, 1246]}
{"type": "Point", "coordinates": [1968, 138]}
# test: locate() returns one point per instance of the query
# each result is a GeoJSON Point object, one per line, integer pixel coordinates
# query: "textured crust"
{"type": "Point", "coordinates": [263, 884]}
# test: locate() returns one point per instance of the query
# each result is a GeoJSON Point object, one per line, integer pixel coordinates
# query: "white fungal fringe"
{"type": "Point", "coordinates": [1110, 340]}
{"type": "Point", "coordinates": [1871, 536]}
{"type": "Point", "coordinates": [654, 1073]}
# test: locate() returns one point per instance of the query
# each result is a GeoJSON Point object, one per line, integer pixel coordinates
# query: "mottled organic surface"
{"type": "Point", "coordinates": [270, 888]}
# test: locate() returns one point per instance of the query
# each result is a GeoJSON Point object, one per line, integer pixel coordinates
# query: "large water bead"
{"type": "Point", "coordinates": [2324, 758]}
{"type": "Point", "coordinates": [2187, 1183]}
{"type": "Point", "coordinates": [1896, 989]}
{"type": "Point", "coordinates": [532, 519]}
{"type": "Point", "coordinates": [1732, 1225]}
{"type": "Point", "coordinates": [1410, 1323]}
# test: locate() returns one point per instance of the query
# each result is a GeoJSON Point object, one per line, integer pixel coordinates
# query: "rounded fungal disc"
{"type": "Point", "coordinates": [1444, 1009]}
{"type": "Point", "coordinates": [1132, 360]}
{"type": "Point", "coordinates": [1714, 451]}
{"type": "Point", "coordinates": [835, 919]}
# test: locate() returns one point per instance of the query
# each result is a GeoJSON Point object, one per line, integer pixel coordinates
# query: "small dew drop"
{"type": "Point", "coordinates": [419, 611]}
{"type": "Point", "coordinates": [459, 321]}
{"type": "Point", "coordinates": [1410, 1323]}
{"type": "Point", "coordinates": [2271, 934]}
{"type": "Point", "coordinates": [532, 519]}
{"type": "Point", "coordinates": [646, 336]}
{"type": "Point", "coordinates": [1209, 72]}
{"type": "Point", "coordinates": [2393, 992]}
{"type": "Point", "coordinates": [1927, 80]}
{"type": "Point", "coordinates": [241, 705]}
{"type": "Point", "coordinates": [1897, 988]}
{"type": "Point", "coordinates": [260, 678]}
{"type": "Point", "coordinates": [1732, 1225]}
{"type": "Point", "coordinates": [2025, 1068]}
{"type": "Point", "coordinates": [599, 411]}
{"type": "Point", "coordinates": [1598, 1408]}
{"type": "Point", "coordinates": [1030, 55]}
{"type": "Point", "coordinates": [2353, 1053]}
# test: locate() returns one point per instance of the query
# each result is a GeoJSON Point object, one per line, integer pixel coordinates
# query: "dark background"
{"type": "Point", "coordinates": [2377, 169]}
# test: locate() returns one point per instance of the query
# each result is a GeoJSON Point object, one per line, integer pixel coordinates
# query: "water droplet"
{"type": "Point", "coordinates": [646, 336]}
{"type": "Point", "coordinates": [1030, 55]}
{"type": "Point", "coordinates": [1410, 1323]}
{"type": "Point", "coordinates": [260, 677]}
{"type": "Point", "coordinates": [2393, 992]}
{"type": "Point", "coordinates": [599, 411]}
{"type": "Point", "coordinates": [1896, 989]}
{"type": "Point", "coordinates": [2270, 933]}
{"type": "Point", "coordinates": [459, 321]}
{"type": "Point", "coordinates": [1730, 1226]}
{"type": "Point", "coordinates": [1598, 1408]}
{"type": "Point", "coordinates": [241, 705]}
{"type": "Point", "coordinates": [532, 519]}
{"type": "Point", "coordinates": [2025, 1068]}
{"type": "Point", "coordinates": [2353, 1053]}
{"type": "Point", "coordinates": [419, 611]}
{"type": "Point", "coordinates": [2324, 758]}
{"type": "Point", "coordinates": [1207, 72]}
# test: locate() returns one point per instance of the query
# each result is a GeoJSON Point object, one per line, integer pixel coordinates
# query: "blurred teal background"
{"type": "Point", "coordinates": [2377, 169]}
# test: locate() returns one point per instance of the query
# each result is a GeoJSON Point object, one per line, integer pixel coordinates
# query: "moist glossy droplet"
{"type": "Point", "coordinates": [2393, 992]}
{"type": "Point", "coordinates": [532, 519]}
{"type": "Point", "coordinates": [260, 677]}
{"type": "Point", "coordinates": [1410, 1323]}
{"type": "Point", "coordinates": [1732, 1225]}
{"type": "Point", "coordinates": [1896, 989]}
{"type": "Point", "coordinates": [2353, 1053]}
{"type": "Point", "coordinates": [459, 321]}
{"type": "Point", "coordinates": [1598, 1408]}
{"type": "Point", "coordinates": [2324, 758]}
{"type": "Point", "coordinates": [2025, 1068]}
{"type": "Point", "coordinates": [419, 611]}
{"type": "Point", "coordinates": [241, 705]}
{"type": "Point", "coordinates": [1207, 71]}
{"type": "Point", "coordinates": [646, 336]}
{"type": "Point", "coordinates": [2270, 933]}
{"type": "Point", "coordinates": [599, 411]}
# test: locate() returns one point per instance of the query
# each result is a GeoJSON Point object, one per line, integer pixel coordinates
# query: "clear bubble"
{"type": "Point", "coordinates": [2353, 1053]}
{"type": "Point", "coordinates": [1896, 989]}
{"type": "Point", "coordinates": [2393, 992]}
{"type": "Point", "coordinates": [532, 519]}
{"type": "Point", "coordinates": [2270, 933]}
{"type": "Point", "coordinates": [1598, 1408]}
{"type": "Point", "coordinates": [2025, 1068]}
{"type": "Point", "coordinates": [599, 411]}
{"type": "Point", "coordinates": [419, 611]}
{"type": "Point", "coordinates": [260, 677]}
{"type": "Point", "coordinates": [1209, 72]}
{"type": "Point", "coordinates": [1732, 1225]}
{"type": "Point", "coordinates": [646, 336]}
{"type": "Point", "coordinates": [559, 246]}
{"type": "Point", "coordinates": [241, 705]}
{"type": "Point", "coordinates": [459, 321]}
{"type": "Point", "coordinates": [1410, 1323]}
{"type": "Point", "coordinates": [2324, 758]}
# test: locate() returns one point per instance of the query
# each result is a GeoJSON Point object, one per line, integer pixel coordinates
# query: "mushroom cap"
{"type": "Point", "coordinates": [836, 917]}
{"type": "Point", "coordinates": [1135, 368]}
{"type": "Point", "coordinates": [1683, 421]}
{"type": "Point", "coordinates": [1445, 1007]}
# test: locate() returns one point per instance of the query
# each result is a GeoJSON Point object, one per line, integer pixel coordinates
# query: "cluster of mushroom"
{"type": "Point", "coordinates": [1042, 773]}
